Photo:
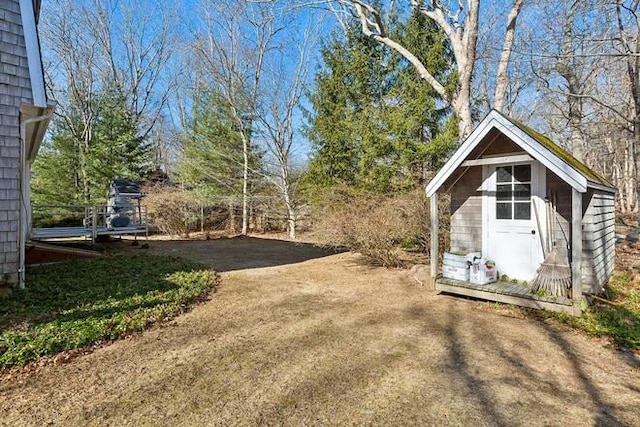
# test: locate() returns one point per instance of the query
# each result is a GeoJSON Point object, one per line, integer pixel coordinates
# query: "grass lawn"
{"type": "Point", "coordinates": [619, 320]}
{"type": "Point", "coordinates": [79, 303]}
{"type": "Point", "coordinates": [293, 338]}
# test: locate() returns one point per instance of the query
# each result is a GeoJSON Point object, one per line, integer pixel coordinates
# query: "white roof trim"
{"type": "Point", "coordinates": [495, 120]}
{"type": "Point", "coordinates": [602, 187]}
{"type": "Point", "coordinates": [33, 53]}
{"type": "Point", "coordinates": [34, 121]}
{"type": "Point", "coordinates": [459, 156]}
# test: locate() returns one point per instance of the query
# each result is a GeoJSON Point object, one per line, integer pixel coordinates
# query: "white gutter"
{"type": "Point", "coordinates": [25, 194]}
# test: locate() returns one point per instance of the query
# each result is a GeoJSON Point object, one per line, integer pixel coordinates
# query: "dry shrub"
{"type": "Point", "coordinates": [373, 225]}
{"type": "Point", "coordinates": [170, 210]}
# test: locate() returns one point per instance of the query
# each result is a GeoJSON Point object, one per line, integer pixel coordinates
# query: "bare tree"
{"type": "Point", "coordinates": [460, 23]}
{"type": "Point", "coordinates": [238, 36]}
{"type": "Point", "coordinates": [135, 48]}
{"type": "Point", "coordinates": [568, 67]}
{"type": "Point", "coordinates": [71, 55]}
{"type": "Point", "coordinates": [93, 47]}
{"type": "Point", "coordinates": [628, 42]}
{"type": "Point", "coordinates": [281, 97]}
{"type": "Point", "coordinates": [587, 63]}
{"type": "Point", "coordinates": [502, 79]}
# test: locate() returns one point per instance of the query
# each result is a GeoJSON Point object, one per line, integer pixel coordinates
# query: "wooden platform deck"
{"type": "Point", "coordinates": [505, 292]}
{"type": "Point", "coordinates": [84, 232]}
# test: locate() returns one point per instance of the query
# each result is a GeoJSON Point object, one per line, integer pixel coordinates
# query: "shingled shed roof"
{"type": "Point", "coordinates": [540, 147]}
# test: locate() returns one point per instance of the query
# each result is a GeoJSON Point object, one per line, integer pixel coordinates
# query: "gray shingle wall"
{"type": "Point", "coordinates": [598, 240]}
{"type": "Point", "coordinates": [466, 213]}
{"type": "Point", "coordinates": [15, 88]}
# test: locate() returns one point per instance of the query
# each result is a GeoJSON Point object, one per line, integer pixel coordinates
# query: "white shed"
{"type": "Point", "coordinates": [513, 189]}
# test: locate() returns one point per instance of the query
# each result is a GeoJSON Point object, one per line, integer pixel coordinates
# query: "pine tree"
{"type": "Point", "coordinates": [374, 124]}
{"type": "Point", "coordinates": [212, 156]}
{"type": "Point", "coordinates": [55, 179]}
{"type": "Point", "coordinates": [72, 170]}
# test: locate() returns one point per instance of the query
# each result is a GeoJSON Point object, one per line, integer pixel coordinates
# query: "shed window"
{"type": "Point", "coordinates": [513, 192]}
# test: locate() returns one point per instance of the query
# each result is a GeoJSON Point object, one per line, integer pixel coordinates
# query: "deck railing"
{"type": "Point", "coordinates": [86, 220]}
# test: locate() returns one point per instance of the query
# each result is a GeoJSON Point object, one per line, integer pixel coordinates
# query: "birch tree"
{"type": "Point", "coordinates": [460, 23]}
{"type": "Point", "coordinates": [282, 95]}
{"type": "Point", "coordinates": [233, 47]}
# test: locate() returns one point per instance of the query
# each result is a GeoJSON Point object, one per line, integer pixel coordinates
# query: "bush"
{"type": "Point", "coordinates": [372, 224]}
{"type": "Point", "coordinates": [171, 210]}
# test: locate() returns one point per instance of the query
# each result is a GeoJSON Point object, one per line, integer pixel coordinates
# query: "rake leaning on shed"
{"type": "Point", "coordinates": [554, 274]}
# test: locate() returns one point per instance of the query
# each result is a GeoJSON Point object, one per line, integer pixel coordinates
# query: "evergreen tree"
{"type": "Point", "coordinates": [344, 91]}
{"type": "Point", "coordinates": [212, 158]}
{"type": "Point", "coordinates": [375, 125]}
{"type": "Point", "coordinates": [118, 151]}
{"type": "Point", "coordinates": [55, 179]}
{"type": "Point", "coordinates": [71, 169]}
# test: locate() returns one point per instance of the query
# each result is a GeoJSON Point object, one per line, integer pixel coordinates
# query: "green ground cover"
{"type": "Point", "coordinates": [79, 303]}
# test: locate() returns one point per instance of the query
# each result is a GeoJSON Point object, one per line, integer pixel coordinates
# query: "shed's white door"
{"type": "Point", "coordinates": [511, 230]}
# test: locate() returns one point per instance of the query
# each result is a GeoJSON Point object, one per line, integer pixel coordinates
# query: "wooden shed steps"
{"type": "Point", "coordinates": [505, 292]}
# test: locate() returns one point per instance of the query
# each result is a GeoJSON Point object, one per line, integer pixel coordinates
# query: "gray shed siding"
{"type": "Point", "coordinates": [598, 231]}
{"type": "Point", "coordinates": [466, 212]}
{"type": "Point", "coordinates": [598, 240]}
{"type": "Point", "coordinates": [560, 191]}
{"type": "Point", "coordinates": [15, 88]}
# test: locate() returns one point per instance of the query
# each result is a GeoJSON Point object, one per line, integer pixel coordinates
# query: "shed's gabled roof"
{"type": "Point", "coordinates": [541, 148]}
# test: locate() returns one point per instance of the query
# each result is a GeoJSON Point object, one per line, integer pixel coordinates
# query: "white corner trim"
{"type": "Point", "coordinates": [485, 206]}
{"type": "Point", "coordinates": [33, 53]}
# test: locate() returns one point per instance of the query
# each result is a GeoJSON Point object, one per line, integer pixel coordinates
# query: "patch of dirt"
{"type": "Point", "coordinates": [298, 335]}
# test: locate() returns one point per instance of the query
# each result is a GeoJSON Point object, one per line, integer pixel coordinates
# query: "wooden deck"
{"type": "Point", "coordinates": [505, 292]}
{"type": "Point", "coordinates": [84, 232]}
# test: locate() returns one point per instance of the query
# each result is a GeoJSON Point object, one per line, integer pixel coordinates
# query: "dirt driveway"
{"type": "Point", "coordinates": [299, 336]}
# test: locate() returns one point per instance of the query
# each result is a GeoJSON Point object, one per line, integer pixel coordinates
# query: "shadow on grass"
{"type": "Point", "coordinates": [79, 302]}
{"type": "Point", "coordinates": [605, 414]}
{"type": "Point", "coordinates": [617, 323]}
{"type": "Point", "coordinates": [240, 253]}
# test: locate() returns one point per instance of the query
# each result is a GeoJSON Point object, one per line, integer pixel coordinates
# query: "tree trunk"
{"type": "Point", "coordinates": [286, 193]}
{"type": "Point", "coordinates": [84, 155]}
{"type": "Point", "coordinates": [245, 185]}
{"type": "Point", "coordinates": [566, 68]}
{"type": "Point", "coordinates": [502, 79]}
{"type": "Point", "coordinates": [462, 108]}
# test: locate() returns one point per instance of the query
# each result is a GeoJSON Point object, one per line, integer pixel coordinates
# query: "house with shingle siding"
{"type": "Point", "coordinates": [24, 115]}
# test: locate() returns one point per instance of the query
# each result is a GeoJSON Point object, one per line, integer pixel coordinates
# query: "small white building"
{"type": "Point", "coordinates": [502, 180]}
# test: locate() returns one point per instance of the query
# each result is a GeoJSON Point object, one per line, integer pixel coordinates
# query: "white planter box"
{"type": "Point", "coordinates": [453, 260]}
{"type": "Point", "coordinates": [456, 273]}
